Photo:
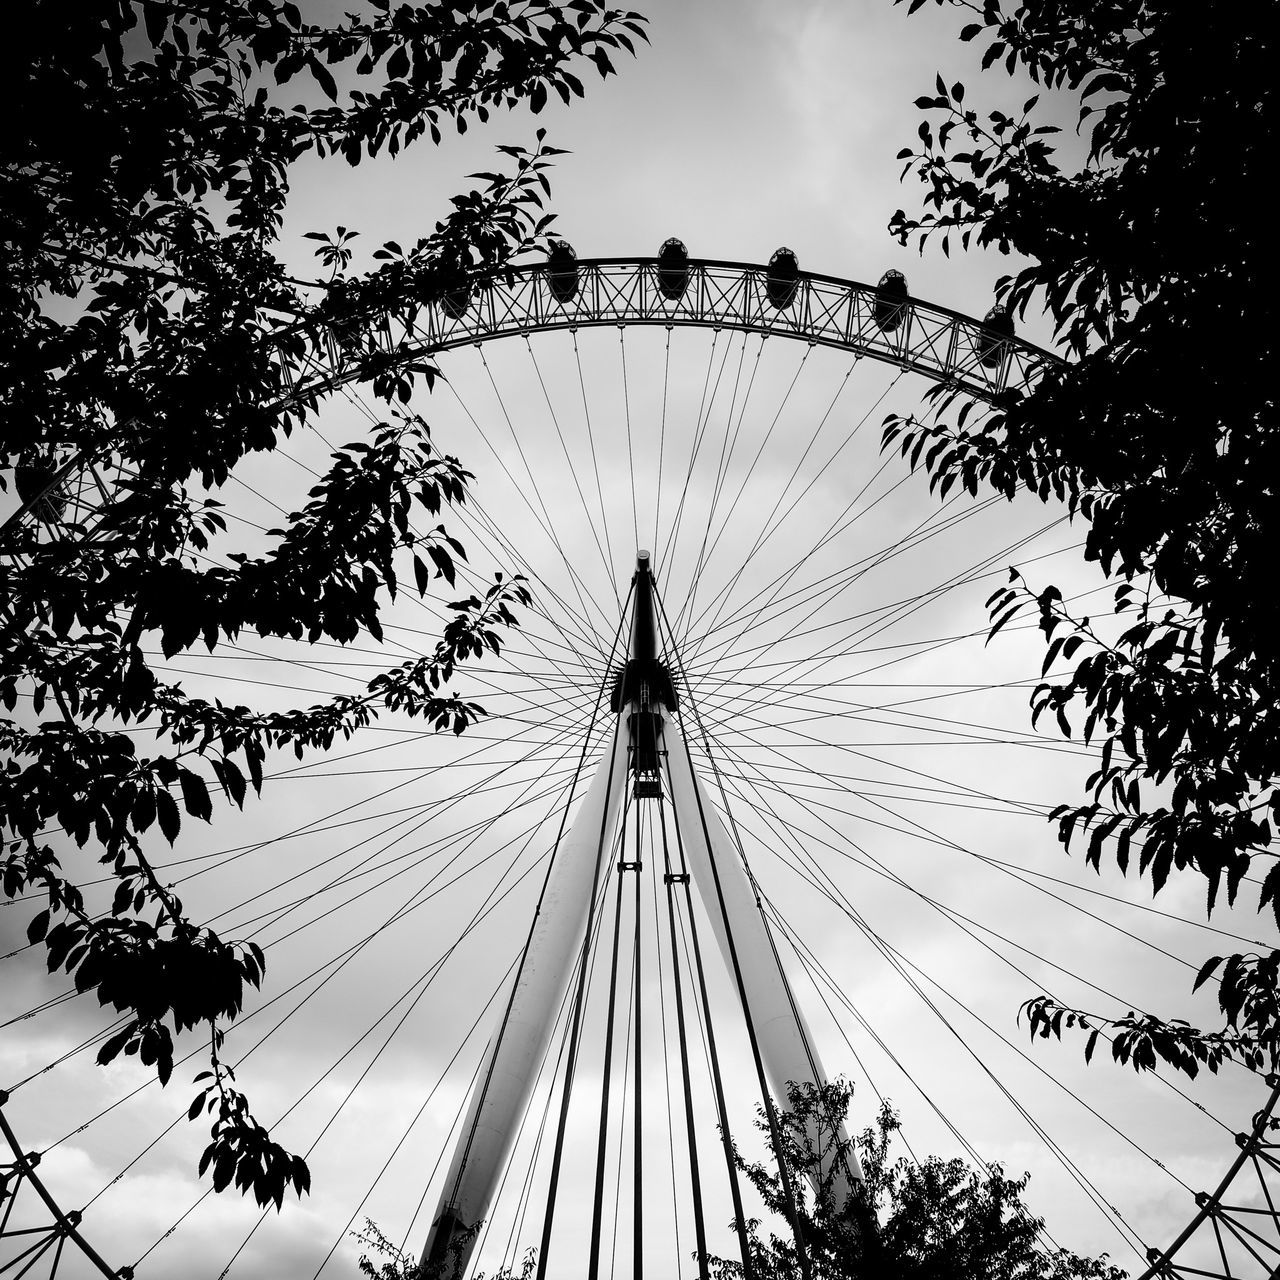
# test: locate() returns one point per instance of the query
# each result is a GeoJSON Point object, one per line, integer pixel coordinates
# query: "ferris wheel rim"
{"type": "Point", "coordinates": [958, 369]}
{"type": "Point", "coordinates": [65, 1225]}
{"type": "Point", "coordinates": [954, 348]}
{"type": "Point", "coordinates": [1210, 1202]}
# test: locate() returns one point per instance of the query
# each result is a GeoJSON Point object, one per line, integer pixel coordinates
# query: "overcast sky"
{"type": "Point", "coordinates": [860, 727]}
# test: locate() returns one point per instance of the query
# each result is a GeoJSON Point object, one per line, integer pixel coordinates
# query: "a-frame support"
{"type": "Point", "coordinates": [642, 736]}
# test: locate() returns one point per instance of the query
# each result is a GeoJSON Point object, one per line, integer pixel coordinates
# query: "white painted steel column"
{"type": "Point", "coordinates": [555, 941]}
{"type": "Point", "coordinates": [786, 1044]}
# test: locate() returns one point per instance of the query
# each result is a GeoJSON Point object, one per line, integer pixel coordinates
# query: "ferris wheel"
{"type": "Point", "coordinates": [753, 802]}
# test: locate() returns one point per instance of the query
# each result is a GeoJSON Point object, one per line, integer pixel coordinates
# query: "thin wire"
{"type": "Point", "coordinates": [662, 444]}
{"type": "Point", "coordinates": [631, 460]}
{"type": "Point", "coordinates": [595, 466]}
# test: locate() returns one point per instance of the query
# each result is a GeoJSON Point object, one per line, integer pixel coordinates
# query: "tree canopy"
{"type": "Point", "coordinates": [1152, 258]}
{"type": "Point", "coordinates": [934, 1220]}
{"type": "Point", "coordinates": [152, 339]}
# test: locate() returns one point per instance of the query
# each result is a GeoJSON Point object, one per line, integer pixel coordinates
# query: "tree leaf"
{"type": "Point", "coordinates": [195, 795]}
{"type": "Point", "coordinates": [38, 927]}
{"type": "Point", "coordinates": [167, 812]}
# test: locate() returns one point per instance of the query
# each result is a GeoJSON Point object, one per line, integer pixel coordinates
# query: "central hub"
{"type": "Point", "coordinates": [644, 680]}
{"type": "Point", "coordinates": [644, 687]}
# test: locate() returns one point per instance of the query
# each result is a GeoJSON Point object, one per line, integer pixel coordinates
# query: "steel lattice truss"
{"type": "Point", "coordinates": [1235, 1233]}
{"type": "Point", "coordinates": [34, 1231]}
{"type": "Point", "coordinates": [942, 345]}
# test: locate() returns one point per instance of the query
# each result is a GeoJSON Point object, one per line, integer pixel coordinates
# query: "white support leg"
{"type": "Point", "coordinates": [502, 1089]}
{"type": "Point", "coordinates": [786, 1045]}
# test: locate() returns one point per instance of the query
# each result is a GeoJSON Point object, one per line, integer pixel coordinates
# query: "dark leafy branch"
{"type": "Point", "coordinates": [1159, 430]}
{"type": "Point", "coordinates": [149, 328]}
{"type": "Point", "coordinates": [1248, 998]}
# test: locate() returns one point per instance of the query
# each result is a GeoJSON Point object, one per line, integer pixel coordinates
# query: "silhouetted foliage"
{"type": "Point", "coordinates": [1154, 261]}
{"type": "Point", "coordinates": [391, 1262]}
{"type": "Point", "coordinates": [151, 336]}
{"type": "Point", "coordinates": [937, 1220]}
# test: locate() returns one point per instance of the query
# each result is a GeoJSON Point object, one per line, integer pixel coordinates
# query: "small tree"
{"type": "Point", "coordinates": [1155, 261]}
{"type": "Point", "coordinates": [149, 327]}
{"type": "Point", "coordinates": [939, 1220]}
{"type": "Point", "coordinates": [391, 1262]}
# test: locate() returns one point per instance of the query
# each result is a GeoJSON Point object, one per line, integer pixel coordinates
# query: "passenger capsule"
{"type": "Point", "coordinates": [891, 300]}
{"type": "Point", "coordinates": [455, 294]}
{"type": "Point", "coordinates": [562, 272]}
{"type": "Point", "coordinates": [997, 329]}
{"type": "Point", "coordinates": [345, 328]}
{"type": "Point", "coordinates": [347, 333]}
{"type": "Point", "coordinates": [782, 279]}
{"type": "Point", "coordinates": [454, 303]}
{"type": "Point", "coordinates": [32, 478]}
{"type": "Point", "coordinates": [673, 269]}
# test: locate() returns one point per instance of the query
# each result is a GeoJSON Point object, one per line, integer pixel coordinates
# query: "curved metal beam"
{"type": "Point", "coordinates": [933, 341]}
{"type": "Point", "coordinates": [1255, 1148]}
{"type": "Point", "coordinates": [944, 346]}
{"type": "Point", "coordinates": [941, 345]}
{"type": "Point", "coordinates": [65, 1226]}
